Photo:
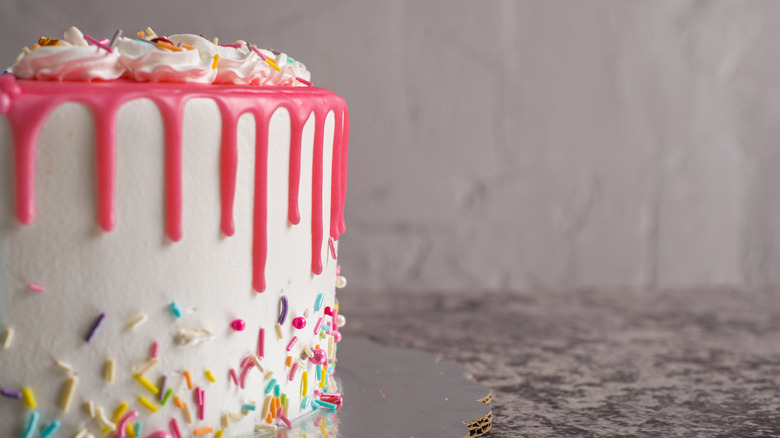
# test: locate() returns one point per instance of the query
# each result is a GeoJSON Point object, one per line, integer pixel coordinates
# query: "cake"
{"type": "Point", "coordinates": [170, 211]}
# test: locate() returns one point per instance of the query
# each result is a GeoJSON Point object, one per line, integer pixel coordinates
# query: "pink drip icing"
{"type": "Point", "coordinates": [32, 101]}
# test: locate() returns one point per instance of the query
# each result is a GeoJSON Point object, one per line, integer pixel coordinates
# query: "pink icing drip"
{"type": "Point", "coordinates": [32, 101]}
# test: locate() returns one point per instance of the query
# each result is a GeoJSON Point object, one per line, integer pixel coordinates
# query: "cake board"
{"type": "Point", "coordinates": [393, 392]}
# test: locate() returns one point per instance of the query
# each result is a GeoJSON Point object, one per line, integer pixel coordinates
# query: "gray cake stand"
{"type": "Point", "coordinates": [392, 392]}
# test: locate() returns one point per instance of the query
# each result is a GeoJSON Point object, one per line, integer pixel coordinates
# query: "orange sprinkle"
{"type": "Point", "coordinates": [140, 34]}
{"type": "Point", "coordinates": [43, 41]}
{"type": "Point", "coordinates": [269, 419]}
{"type": "Point", "coordinates": [289, 361]}
{"type": "Point", "coordinates": [202, 431]}
{"type": "Point", "coordinates": [177, 402]}
{"type": "Point", "coordinates": [163, 45]}
{"type": "Point", "coordinates": [189, 379]}
{"type": "Point", "coordinates": [188, 47]}
{"type": "Point", "coordinates": [36, 46]}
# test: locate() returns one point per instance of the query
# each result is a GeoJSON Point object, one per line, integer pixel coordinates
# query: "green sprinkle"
{"type": "Point", "coordinates": [164, 401]}
{"type": "Point", "coordinates": [284, 398]}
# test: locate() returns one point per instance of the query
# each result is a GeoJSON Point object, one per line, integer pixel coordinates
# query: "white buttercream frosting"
{"type": "Point", "coordinates": [191, 58]}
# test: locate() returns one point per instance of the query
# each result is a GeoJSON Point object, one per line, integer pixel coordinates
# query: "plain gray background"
{"type": "Point", "coordinates": [518, 145]}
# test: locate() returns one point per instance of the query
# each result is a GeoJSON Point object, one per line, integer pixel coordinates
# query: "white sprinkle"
{"type": "Point", "coordinates": [308, 351]}
{"type": "Point", "coordinates": [278, 328]}
{"type": "Point", "coordinates": [81, 434]}
{"type": "Point", "coordinates": [67, 393]}
{"type": "Point", "coordinates": [268, 375]}
{"type": "Point", "coordinates": [225, 421]}
{"type": "Point", "coordinates": [103, 421]}
{"type": "Point", "coordinates": [137, 320]}
{"type": "Point", "coordinates": [151, 363]}
{"type": "Point", "coordinates": [233, 416]}
{"type": "Point", "coordinates": [9, 337]}
{"type": "Point", "coordinates": [68, 368]}
{"type": "Point", "coordinates": [89, 407]}
{"type": "Point", "coordinates": [330, 348]}
{"type": "Point", "coordinates": [109, 371]}
{"type": "Point", "coordinates": [185, 410]}
{"type": "Point", "coordinates": [256, 360]}
{"type": "Point", "coordinates": [265, 427]}
{"type": "Point", "coordinates": [191, 336]}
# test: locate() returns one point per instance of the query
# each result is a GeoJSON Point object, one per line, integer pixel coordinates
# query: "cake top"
{"type": "Point", "coordinates": [187, 58]}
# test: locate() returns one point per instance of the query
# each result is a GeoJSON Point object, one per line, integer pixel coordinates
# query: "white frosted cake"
{"type": "Point", "coordinates": [170, 210]}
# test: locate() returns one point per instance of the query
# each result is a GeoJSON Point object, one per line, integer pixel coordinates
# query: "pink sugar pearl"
{"type": "Point", "coordinates": [238, 325]}
{"type": "Point", "coordinates": [336, 336]}
{"type": "Point", "coordinates": [320, 357]}
{"type": "Point", "coordinates": [299, 322]}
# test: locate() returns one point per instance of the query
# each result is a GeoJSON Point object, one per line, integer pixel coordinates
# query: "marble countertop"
{"type": "Point", "coordinates": [598, 363]}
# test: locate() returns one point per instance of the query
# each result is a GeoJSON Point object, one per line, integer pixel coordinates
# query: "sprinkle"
{"type": "Point", "coordinates": [146, 384]}
{"type": "Point", "coordinates": [244, 373]}
{"type": "Point", "coordinates": [324, 404]}
{"type": "Point", "coordinates": [257, 363]}
{"type": "Point", "coordinates": [26, 50]}
{"type": "Point", "coordinates": [63, 365]}
{"type": "Point", "coordinates": [147, 404]}
{"type": "Point", "coordinates": [225, 421]}
{"type": "Point", "coordinates": [161, 386]}
{"type": "Point", "coordinates": [232, 45]}
{"type": "Point", "coordinates": [266, 406]}
{"type": "Point", "coordinates": [153, 350]}
{"type": "Point", "coordinates": [8, 338]}
{"type": "Point", "coordinates": [305, 402]}
{"type": "Point", "coordinates": [233, 376]}
{"type": "Point", "coordinates": [261, 343]}
{"type": "Point", "coordinates": [89, 407]}
{"type": "Point", "coordinates": [167, 397]}
{"type": "Point", "coordinates": [331, 245]}
{"type": "Point", "coordinates": [175, 309]}
{"type": "Point", "coordinates": [151, 363]}
{"type": "Point", "coordinates": [218, 434]}
{"type": "Point", "coordinates": [292, 371]}
{"type": "Point", "coordinates": [269, 419]}
{"type": "Point", "coordinates": [140, 34]}
{"type": "Point", "coordinates": [35, 287]}
{"type": "Point", "coordinates": [318, 325]}
{"type": "Point", "coordinates": [322, 335]}
{"type": "Point", "coordinates": [67, 393]}
{"type": "Point", "coordinates": [331, 350]}
{"type": "Point", "coordinates": [272, 64]}
{"type": "Point", "coordinates": [318, 302]}
{"type": "Point", "coordinates": [299, 322]}
{"type": "Point", "coordinates": [307, 350]}
{"type": "Point", "coordinates": [248, 407]}
{"type": "Point", "coordinates": [16, 395]}
{"type": "Point", "coordinates": [32, 425]}
{"type": "Point", "coordinates": [216, 61]}
{"type": "Point", "coordinates": [95, 326]}
{"type": "Point", "coordinates": [256, 50]}
{"type": "Point", "coordinates": [215, 41]}
{"type": "Point", "coordinates": [192, 336]}
{"type": "Point", "coordinates": [288, 361]}
{"type": "Point", "coordinates": [304, 383]}
{"type": "Point", "coordinates": [82, 433]}
{"type": "Point", "coordinates": [234, 417]}
{"type": "Point", "coordinates": [277, 390]}
{"type": "Point", "coordinates": [286, 421]}
{"type": "Point", "coordinates": [238, 325]}
{"type": "Point", "coordinates": [108, 371]}
{"type": "Point", "coordinates": [341, 282]}
{"type": "Point", "coordinates": [29, 398]}
{"type": "Point", "coordinates": [270, 386]}
{"type": "Point", "coordinates": [202, 431]}
{"type": "Point", "coordinates": [342, 321]}
{"type": "Point", "coordinates": [292, 342]}
{"type": "Point", "coordinates": [268, 375]}
{"type": "Point", "coordinates": [120, 410]}
{"type": "Point", "coordinates": [98, 43]}
{"type": "Point", "coordinates": [150, 32]}
{"type": "Point", "coordinates": [187, 46]}
{"type": "Point", "coordinates": [138, 429]}
{"type": "Point", "coordinates": [185, 410]}
{"type": "Point", "coordinates": [265, 427]}
{"type": "Point", "coordinates": [103, 420]}
{"type": "Point", "coordinates": [278, 328]}
{"type": "Point", "coordinates": [283, 310]}
{"type": "Point", "coordinates": [210, 376]}
{"type": "Point", "coordinates": [163, 45]}
{"type": "Point", "coordinates": [189, 379]}
{"type": "Point", "coordinates": [198, 396]}
{"type": "Point", "coordinates": [175, 428]}
{"type": "Point", "coordinates": [177, 401]}
{"type": "Point", "coordinates": [114, 39]}
{"type": "Point", "coordinates": [124, 422]}
{"type": "Point", "coordinates": [284, 399]}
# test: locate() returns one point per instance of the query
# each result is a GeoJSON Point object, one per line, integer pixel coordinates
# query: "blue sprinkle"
{"type": "Point", "coordinates": [305, 402]}
{"type": "Point", "coordinates": [319, 372]}
{"type": "Point", "coordinates": [290, 60]}
{"type": "Point", "coordinates": [32, 424]}
{"type": "Point", "coordinates": [326, 328]}
{"type": "Point", "coordinates": [318, 302]}
{"type": "Point", "coordinates": [175, 309]}
{"type": "Point", "coordinates": [270, 386]}
{"type": "Point", "coordinates": [51, 429]}
{"type": "Point", "coordinates": [248, 407]}
{"type": "Point", "coordinates": [138, 428]}
{"type": "Point", "coordinates": [5, 72]}
{"type": "Point", "coordinates": [324, 404]}
{"type": "Point", "coordinates": [277, 390]}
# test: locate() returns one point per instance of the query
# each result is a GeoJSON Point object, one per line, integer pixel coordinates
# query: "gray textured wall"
{"type": "Point", "coordinates": [523, 144]}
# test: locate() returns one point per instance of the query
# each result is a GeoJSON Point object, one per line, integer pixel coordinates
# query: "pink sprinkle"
{"type": "Point", "coordinates": [234, 376]}
{"type": "Point", "coordinates": [317, 392]}
{"type": "Point", "coordinates": [201, 412]}
{"type": "Point", "coordinates": [278, 412]}
{"type": "Point", "coordinates": [332, 246]}
{"type": "Point", "coordinates": [292, 371]}
{"type": "Point", "coordinates": [335, 324]}
{"type": "Point", "coordinates": [153, 352]}
{"type": "Point", "coordinates": [233, 45]}
{"type": "Point", "coordinates": [244, 372]}
{"type": "Point", "coordinates": [130, 416]}
{"type": "Point", "coordinates": [175, 428]}
{"type": "Point", "coordinates": [338, 269]}
{"type": "Point", "coordinates": [198, 396]}
{"type": "Point", "coordinates": [330, 394]}
{"type": "Point", "coordinates": [35, 287]}
{"type": "Point", "coordinates": [247, 360]}
{"type": "Point", "coordinates": [319, 324]}
{"type": "Point", "coordinates": [261, 344]}
{"type": "Point", "coordinates": [256, 50]}
{"type": "Point", "coordinates": [283, 418]}
{"type": "Point", "coordinates": [305, 82]}
{"type": "Point", "coordinates": [292, 343]}
{"type": "Point", "coordinates": [98, 43]}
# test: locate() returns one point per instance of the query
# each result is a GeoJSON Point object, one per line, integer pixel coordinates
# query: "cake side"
{"type": "Point", "coordinates": [157, 223]}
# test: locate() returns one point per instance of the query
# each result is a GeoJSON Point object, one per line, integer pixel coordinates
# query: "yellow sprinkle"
{"type": "Point", "coordinates": [278, 328]}
{"type": "Point", "coordinates": [322, 377]}
{"type": "Point", "coordinates": [149, 405]}
{"type": "Point", "coordinates": [272, 64]}
{"type": "Point", "coordinates": [147, 384]}
{"type": "Point", "coordinates": [218, 434]}
{"type": "Point", "coordinates": [185, 410]}
{"type": "Point", "coordinates": [29, 398]}
{"type": "Point", "coordinates": [336, 306]}
{"type": "Point", "coordinates": [225, 421]}
{"type": "Point", "coordinates": [8, 338]}
{"type": "Point", "coordinates": [43, 41]}
{"type": "Point", "coordinates": [67, 393]}
{"type": "Point", "coordinates": [137, 320]}
{"type": "Point", "coordinates": [216, 61]}
{"type": "Point", "coordinates": [189, 379]}
{"type": "Point", "coordinates": [108, 371]}
{"type": "Point", "coordinates": [304, 383]}
{"type": "Point", "coordinates": [210, 376]}
{"type": "Point", "coordinates": [266, 406]}
{"type": "Point", "coordinates": [130, 431]}
{"type": "Point", "coordinates": [120, 410]}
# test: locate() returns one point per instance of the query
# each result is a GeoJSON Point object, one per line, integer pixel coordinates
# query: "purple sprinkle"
{"type": "Point", "coordinates": [283, 312]}
{"type": "Point", "coordinates": [95, 327]}
{"type": "Point", "coordinates": [117, 35]}
{"type": "Point", "coordinates": [10, 394]}
{"type": "Point", "coordinates": [161, 385]}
